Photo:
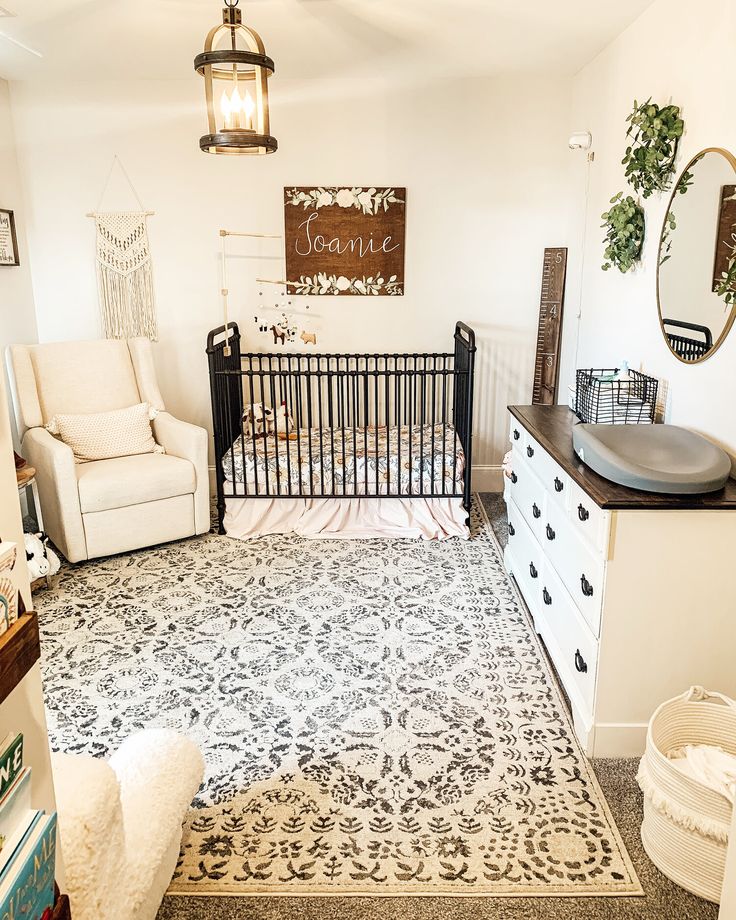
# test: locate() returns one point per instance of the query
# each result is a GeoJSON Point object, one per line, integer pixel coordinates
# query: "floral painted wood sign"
{"type": "Point", "coordinates": [344, 241]}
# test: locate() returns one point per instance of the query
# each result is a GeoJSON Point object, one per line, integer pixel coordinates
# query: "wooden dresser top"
{"type": "Point", "coordinates": [552, 427]}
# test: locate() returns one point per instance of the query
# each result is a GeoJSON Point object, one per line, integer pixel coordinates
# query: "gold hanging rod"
{"type": "Point", "coordinates": [255, 236]}
{"type": "Point", "coordinates": [273, 281]}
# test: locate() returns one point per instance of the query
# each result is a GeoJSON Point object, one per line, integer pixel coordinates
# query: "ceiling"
{"type": "Point", "coordinates": [157, 39]}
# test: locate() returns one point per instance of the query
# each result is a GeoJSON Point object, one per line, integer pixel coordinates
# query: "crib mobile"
{"type": "Point", "coordinates": [286, 325]}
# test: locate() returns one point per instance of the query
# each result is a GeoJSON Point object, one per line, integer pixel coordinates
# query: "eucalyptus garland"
{"type": "Point", "coordinates": [624, 226]}
{"type": "Point", "coordinates": [655, 133]}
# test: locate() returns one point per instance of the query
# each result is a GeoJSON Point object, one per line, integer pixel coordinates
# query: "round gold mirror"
{"type": "Point", "coordinates": [696, 275]}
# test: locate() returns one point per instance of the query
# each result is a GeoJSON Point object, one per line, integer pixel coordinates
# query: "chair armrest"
{"type": "Point", "coordinates": [92, 833]}
{"type": "Point", "coordinates": [56, 475]}
{"type": "Point", "coordinates": [182, 439]}
{"type": "Point", "coordinates": [159, 772]}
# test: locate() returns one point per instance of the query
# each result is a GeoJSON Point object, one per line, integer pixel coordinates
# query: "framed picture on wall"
{"type": "Point", "coordinates": [8, 239]}
{"type": "Point", "coordinates": [345, 240]}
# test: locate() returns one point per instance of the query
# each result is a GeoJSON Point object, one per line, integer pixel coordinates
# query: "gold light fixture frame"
{"type": "Point", "coordinates": [234, 55]}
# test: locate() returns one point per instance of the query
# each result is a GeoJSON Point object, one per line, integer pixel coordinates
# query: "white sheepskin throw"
{"type": "Point", "coordinates": [120, 822]}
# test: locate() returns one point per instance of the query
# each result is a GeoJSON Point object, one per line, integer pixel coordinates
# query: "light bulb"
{"type": "Point", "coordinates": [226, 109]}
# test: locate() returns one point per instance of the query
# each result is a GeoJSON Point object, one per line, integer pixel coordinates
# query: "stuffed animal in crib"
{"type": "Point", "coordinates": [257, 420]}
{"type": "Point", "coordinates": [41, 558]}
{"type": "Point", "coordinates": [284, 424]}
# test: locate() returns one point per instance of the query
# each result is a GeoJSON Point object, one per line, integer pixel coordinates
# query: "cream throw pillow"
{"type": "Point", "coordinates": [106, 435]}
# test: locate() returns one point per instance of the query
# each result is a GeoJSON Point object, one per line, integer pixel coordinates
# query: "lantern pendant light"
{"type": "Point", "coordinates": [236, 69]}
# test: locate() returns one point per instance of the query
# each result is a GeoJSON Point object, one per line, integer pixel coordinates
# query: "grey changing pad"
{"type": "Point", "coordinates": [654, 458]}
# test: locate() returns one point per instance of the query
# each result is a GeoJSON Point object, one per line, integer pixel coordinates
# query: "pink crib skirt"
{"type": "Point", "coordinates": [347, 518]}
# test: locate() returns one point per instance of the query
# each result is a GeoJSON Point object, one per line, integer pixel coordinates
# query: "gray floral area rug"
{"type": "Point", "coordinates": [377, 717]}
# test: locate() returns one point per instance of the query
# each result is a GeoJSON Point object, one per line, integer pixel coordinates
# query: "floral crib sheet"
{"type": "Point", "coordinates": [353, 461]}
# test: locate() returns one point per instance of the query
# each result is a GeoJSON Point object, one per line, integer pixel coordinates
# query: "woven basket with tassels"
{"type": "Point", "coordinates": [686, 824]}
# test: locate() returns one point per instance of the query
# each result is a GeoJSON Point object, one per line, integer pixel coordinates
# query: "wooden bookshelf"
{"type": "Point", "coordinates": [20, 649]}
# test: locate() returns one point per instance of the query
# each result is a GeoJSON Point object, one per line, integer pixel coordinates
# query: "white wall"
{"type": "Point", "coordinates": [17, 315]}
{"type": "Point", "coordinates": [483, 200]}
{"type": "Point", "coordinates": [683, 53]}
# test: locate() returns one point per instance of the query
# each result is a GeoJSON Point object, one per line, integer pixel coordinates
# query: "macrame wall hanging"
{"type": "Point", "coordinates": [124, 270]}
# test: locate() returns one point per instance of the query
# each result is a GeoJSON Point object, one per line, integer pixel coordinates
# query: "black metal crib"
{"type": "Point", "coordinates": [341, 425]}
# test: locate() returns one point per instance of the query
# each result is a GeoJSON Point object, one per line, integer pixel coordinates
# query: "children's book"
{"type": "Point", "coordinates": [14, 806]}
{"type": "Point", "coordinates": [15, 839]}
{"type": "Point", "coordinates": [8, 553]}
{"type": "Point", "coordinates": [27, 885]}
{"type": "Point", "coordinates": [11, 760]}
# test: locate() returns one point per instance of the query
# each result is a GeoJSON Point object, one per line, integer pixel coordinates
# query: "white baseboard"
{"type": "Point", "coordinates": [619, 739]}
{"type": "Point", "coordinates": [487, 479]}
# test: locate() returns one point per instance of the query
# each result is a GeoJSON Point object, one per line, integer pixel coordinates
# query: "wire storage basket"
{"type": "Point", "coordinates": [602, 400]}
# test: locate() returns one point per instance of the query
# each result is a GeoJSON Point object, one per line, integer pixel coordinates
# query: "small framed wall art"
{"type": "Point", "coordinates": [345, 240]}
{"type": "Point", "coordinates": [8, 239]}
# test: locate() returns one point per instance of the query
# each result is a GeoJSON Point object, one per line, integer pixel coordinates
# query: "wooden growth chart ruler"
{"type": "Point", "coordinates": [547, 363]}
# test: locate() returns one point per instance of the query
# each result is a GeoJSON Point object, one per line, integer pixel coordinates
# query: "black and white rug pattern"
{"type": "Point", "coordinates": [377, 717]}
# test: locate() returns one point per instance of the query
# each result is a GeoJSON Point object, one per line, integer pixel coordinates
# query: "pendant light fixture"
{"type": "Point", "coordinates": [236, 69]}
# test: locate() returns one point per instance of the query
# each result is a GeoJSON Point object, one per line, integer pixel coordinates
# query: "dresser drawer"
{"type": "Point", "coordinates": [534, 455]}
{"type": "Point", "coordinates": [527, 492]}
{"type": "Point", "coordinates": [590, 521]}
{"type": "Point", "coordinates": [554, 479]}
{"type": "Point", "coordinates": [526, 554]}
{"type": "Point", "coordinates": [580, 568]}
{"type": "Point", "coordinates": [516, 432]}
{"type": "Point", "coordinates": [569, 642]}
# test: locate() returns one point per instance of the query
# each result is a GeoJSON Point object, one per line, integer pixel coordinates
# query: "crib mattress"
{"type": "Point", "coordinates": [383, 461]}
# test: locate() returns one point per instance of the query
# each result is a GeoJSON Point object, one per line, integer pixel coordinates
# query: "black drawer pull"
{"type": "Point", "coordinates": [580, 664]}
{"type": "Point", "coordinates": [559, 485]}
{"type": "Point", "coordinates": [514, 477]}
{"type": "Point", "coordinates": [550, 533]}
{"type": "Point", "coordinates": [530, 451]}
{"type": "Point", "coordinates": [586, 586]}
{"type": "Point", "coordinates": [535, 511]}
{"type": "Point", "coordinates": [546, 597]}
{"type": "Point", "coordinates": [516, 434]}
{"type": "Point", "coordinates": [583, 513]}
{"type": "Point", "coordinates": [512, 529]}
{"type": "Point", "coordinates": [533, 570]}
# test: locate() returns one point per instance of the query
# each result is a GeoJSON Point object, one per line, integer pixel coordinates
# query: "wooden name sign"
{"type": "Point", "coordinates": [726, 239]}
{"type": "Point", "coordinates": [345, 240]}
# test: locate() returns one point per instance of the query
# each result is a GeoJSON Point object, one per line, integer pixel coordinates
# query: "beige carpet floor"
{"type": "Point", "coordinates": [663, 900]}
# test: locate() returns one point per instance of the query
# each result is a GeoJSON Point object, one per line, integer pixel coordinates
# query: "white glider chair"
{"type": "Point", "coordinates": [107, 506]}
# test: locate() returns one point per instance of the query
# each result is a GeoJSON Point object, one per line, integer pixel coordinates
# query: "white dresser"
{"type": "Point", "coordinates": [633, 594]}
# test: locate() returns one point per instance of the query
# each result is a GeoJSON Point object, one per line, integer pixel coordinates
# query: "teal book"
{"type": "Point", "coordinates": [27, 883]}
